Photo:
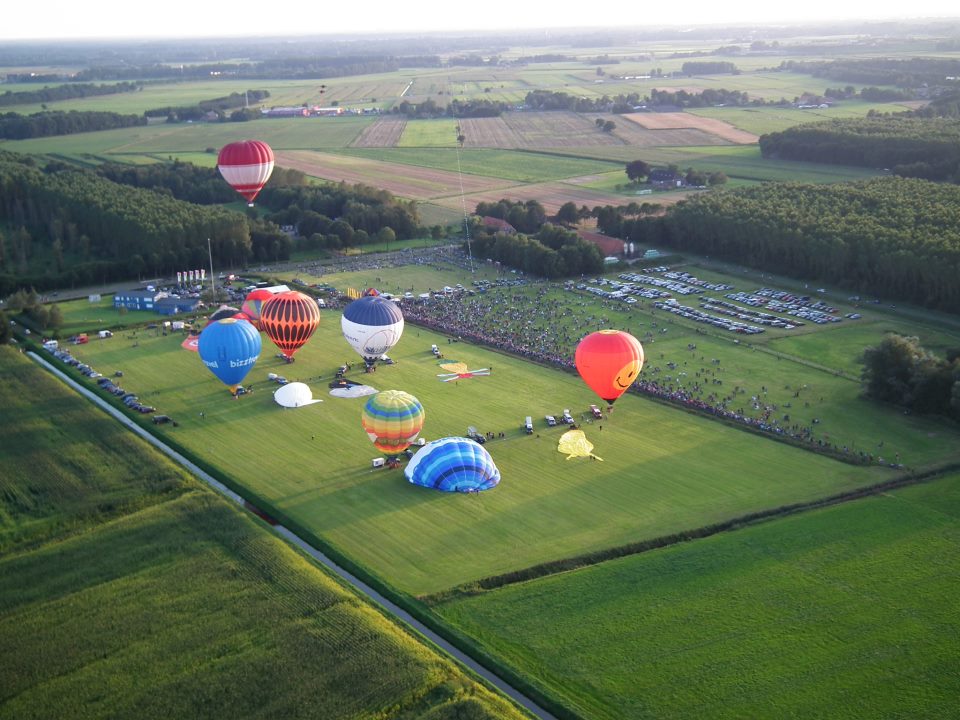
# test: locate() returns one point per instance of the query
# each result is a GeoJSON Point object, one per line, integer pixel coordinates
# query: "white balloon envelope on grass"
{"type": "Point", "coordinates": [295, 394]}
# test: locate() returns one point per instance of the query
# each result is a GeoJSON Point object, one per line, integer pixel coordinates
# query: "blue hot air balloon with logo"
{"type": "Point", "coordinates": [453, 464]}
{"type": "Point", "coordinates": [229, 348]}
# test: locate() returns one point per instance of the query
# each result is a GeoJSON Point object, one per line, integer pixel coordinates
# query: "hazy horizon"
{"type": "Point", "coordinates": [177, 19]}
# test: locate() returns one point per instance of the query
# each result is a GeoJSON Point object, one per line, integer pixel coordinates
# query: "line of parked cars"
{"type": "Point", "coordinates": [105, 383]}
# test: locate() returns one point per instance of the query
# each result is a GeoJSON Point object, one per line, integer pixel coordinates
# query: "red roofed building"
{"type": "Point", "coordinates": [608, 246]}
{"type": "Point", "coordinates": [497, 225]}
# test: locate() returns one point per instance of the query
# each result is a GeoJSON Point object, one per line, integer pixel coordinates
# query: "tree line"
{"type": "Point", "coordinates": [893, 237]}
{"type": "Point", "coordinates": [14, 126]}
{"type": "Point", "coordinates": [900, 371]}
{"type": "Point", "coordinates": [906, 73]}
{"type": "Point", "coordinates": [911, 146]}
{"type": "Point", "coordinates": [218, 105]}
{"type": "Point", "coordinates": [66, 91]}
{"type": "Point", "coordinates": [709, 67]}
{"type": "Point", "coordinates": [553, 252]}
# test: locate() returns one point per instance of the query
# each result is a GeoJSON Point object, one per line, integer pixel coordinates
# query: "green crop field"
{"type": "Point", "coordinates": [523, 166]}
{"type": "Point", "coordinates": [429, 133]}
{"type": "Point", "coordinates": [848, 611]}
{"type": "Point", "coordinates": [126, 590]}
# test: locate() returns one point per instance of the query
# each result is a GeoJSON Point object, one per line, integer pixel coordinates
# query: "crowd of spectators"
{"type": "Point", "coordinates": [539, 327]}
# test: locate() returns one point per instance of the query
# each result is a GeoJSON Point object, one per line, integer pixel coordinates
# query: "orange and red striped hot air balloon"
{"type": "Point", "coordinates": [289, 319]}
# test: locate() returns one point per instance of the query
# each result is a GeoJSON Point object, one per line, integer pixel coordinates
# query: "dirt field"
{"type": "Point", "coordinates": [405, 181]}
{"type": "Point", "coordinates": [676, 121]}
{"type": "Point", "coordinates": [385, 132]}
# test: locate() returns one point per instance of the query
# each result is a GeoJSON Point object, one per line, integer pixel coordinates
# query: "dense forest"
{"type": "Point", "coordinates": [891, 237]}
{"type": "Point", "coordinates": [14, 126]}
{"type": "Point", "coordinates": [910, 146]}
{"type": "Point", "coordinates": [62, 226]}
{"type": "Point", "coordinates": [902, 72]}
{"type": "Point", "coordinates": [65, 91]}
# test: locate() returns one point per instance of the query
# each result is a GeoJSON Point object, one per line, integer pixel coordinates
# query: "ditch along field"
{"type": "Point", "coordinates": [128, 589]}
{"type": "Point", "coordinates": [313, 464]}
{"type": "Point", "coordinates": [848, 611]}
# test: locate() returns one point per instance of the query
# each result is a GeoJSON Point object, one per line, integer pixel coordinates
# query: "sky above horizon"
{"type": "Point", "coordinates": [60, 19]}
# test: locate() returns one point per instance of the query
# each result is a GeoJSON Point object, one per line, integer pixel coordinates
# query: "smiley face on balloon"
{"type": "Point", "coordinates": [609, 361]}
{"type": "Point", "coordinates": [628, 374]}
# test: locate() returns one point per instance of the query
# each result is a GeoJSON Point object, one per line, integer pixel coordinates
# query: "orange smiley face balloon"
{"type": "Point", "coordinates": [609, 361]}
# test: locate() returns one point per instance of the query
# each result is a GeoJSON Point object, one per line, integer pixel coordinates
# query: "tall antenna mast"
{"type": "Point", "coordinates": [463, 199]}
{"type": "Point", "coordinates": [213, 282]}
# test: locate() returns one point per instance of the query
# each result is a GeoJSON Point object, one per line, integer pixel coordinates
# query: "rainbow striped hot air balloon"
{"type": "Point", "coordinates": [289, 319]}
{"type": "Point", "coordinates": [392, 419]}
{"type": "Point", "coordinates": [453, 464]}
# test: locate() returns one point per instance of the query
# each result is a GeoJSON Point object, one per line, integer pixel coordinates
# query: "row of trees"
{"type": "Point", "coordinates": [343, 215]}
{"type": "Point", "coordinates": [218, 105]}
{"type": "Point", "coordinates": [709, 67]}
{"type": "Point", "coordinates": [906, 73]}
{"type": "Point", "coordinates": [911, 146]}
{"type": "Point", "coordinates": [527, 217]}
{"type": "Point", "coordinates": [901, 372]}
{"type": "Point", "coordinates": [14, 126]}
{"type": "Point", "coordinates": [893, 237]}
{"type": "Point", "coordinates": [66, 91]}
{"type": "Point", "coordinates": [45, 316]}
{"type": "Point", "coordinates": [554, 252]}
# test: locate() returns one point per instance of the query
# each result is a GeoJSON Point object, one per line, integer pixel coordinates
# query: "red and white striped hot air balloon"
{"type": "Point", "coordinates": [246, 165]}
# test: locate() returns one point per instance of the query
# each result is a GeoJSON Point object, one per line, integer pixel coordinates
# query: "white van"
{"type": "Point", "coordinates": [528, 425]}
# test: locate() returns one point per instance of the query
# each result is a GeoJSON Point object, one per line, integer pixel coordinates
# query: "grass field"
{"type": "Point", "coordinates": [547, 507]}
{"type": "Point", "coordinates": [521, 166]}
{"type": "Point", "coordinates": [848, 612]}
{"type": "Point", "coordinates": [126, 590]}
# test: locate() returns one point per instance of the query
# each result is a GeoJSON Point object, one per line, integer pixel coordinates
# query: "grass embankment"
{"type": "Point", "coordinates": [848, 610]}
{"type": "Point", "coordinates": [171, 602]}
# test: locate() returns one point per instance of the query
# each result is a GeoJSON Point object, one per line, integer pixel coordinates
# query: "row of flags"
{"type": "Point", "coordinates": [189, 276]}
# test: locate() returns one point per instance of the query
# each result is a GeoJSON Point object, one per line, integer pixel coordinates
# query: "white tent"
{"type": "Point", "coordinates": [294, 394]}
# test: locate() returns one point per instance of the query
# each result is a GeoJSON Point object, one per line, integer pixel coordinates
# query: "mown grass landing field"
{"type": "Point", "coordinates": [844, 612]}
{"type": "Point", "coordinates": [181, 605]}
{"type": "Point", "coordinates": [663, 470]}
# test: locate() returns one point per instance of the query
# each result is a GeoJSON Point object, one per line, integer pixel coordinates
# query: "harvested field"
{"type": "Point", "coordinates": [385, 132]}
{"type": "Point", "coordinates": [553, 195]}
{"type": "Point", "coordinates": [405, 181]}
{"type": "Point", "coordinates": [672, 121]}
{"type": "Point", "coordinates": [530, 131]}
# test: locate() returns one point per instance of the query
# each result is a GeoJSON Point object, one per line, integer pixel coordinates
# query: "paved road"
{"type": "Point", "coordinates": [361, 587]}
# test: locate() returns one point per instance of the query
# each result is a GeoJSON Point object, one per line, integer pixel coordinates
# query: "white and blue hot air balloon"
{"type": "Point", "coordinates": [453, 464]}
{"type": "Point", "coordinates": [372, 325]}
